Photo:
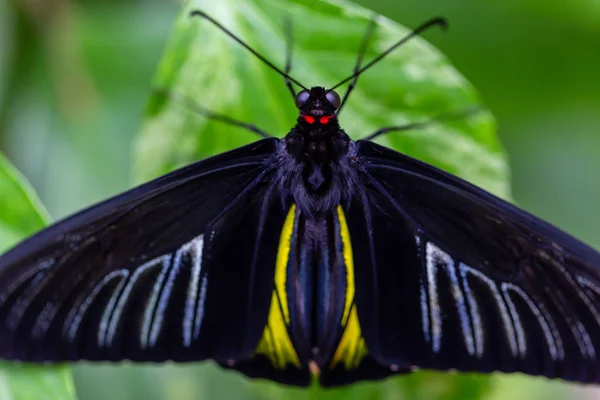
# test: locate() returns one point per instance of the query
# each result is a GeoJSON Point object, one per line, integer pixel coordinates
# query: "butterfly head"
{"type": "Point", "coordinates": [317, 107]}
{"type": "Point", "coordinates": [317, 142]}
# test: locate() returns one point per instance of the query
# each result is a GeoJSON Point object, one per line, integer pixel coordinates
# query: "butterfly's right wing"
{"type": "Point", "coordinates": [175, 269]}
{"type": "Point", "coordinates": [451, 277]}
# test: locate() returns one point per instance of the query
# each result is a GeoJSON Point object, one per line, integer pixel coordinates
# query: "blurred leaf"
{"type": "Point", "coordinates": [415, 83]}
{"type": "Point", "coordinates": [28, 382]}
{"type": "Point", "coordinates": [420, 385]}
{"type": "Point", "coordinates": [21, 213]}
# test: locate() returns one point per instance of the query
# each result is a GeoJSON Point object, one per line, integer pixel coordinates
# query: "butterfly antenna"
{"type": "Point", "coordinates": [197, 108]}
{"type": "Point", "coordinates": [447, 117]}
{"type": "Point", "coordinates": [441, 22]}
{"type": "Point", "coordinates": [198, 13]}
{"type": "Point", "coordinates": [361, 53]}
{"type": "Point", "coordinates": [289, 40]}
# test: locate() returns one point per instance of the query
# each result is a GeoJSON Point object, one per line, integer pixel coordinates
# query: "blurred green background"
{"type": "Point", "coordinates": [75, 75]}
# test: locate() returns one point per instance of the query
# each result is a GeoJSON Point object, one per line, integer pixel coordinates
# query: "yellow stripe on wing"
{"type": "Point", "coordinates": [351, 348]}
{"type": "Point", "coordinates": [348, 261]}
{"type": "Point", "coordinates": [275, 342]}
{"type": "Point", "coordinates": [283, 256]}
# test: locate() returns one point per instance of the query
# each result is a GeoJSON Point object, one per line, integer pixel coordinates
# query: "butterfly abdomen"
{"type": "Point", "coordinates": [313, 322]}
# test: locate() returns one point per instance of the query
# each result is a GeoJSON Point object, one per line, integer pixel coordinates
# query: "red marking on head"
{"type": "Point", "coordinates": [308, 118]}
{"type": "Point", "coordinates": [325, 119]}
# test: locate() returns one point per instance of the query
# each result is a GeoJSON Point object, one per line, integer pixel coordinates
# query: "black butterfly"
{"type": "Point", "coordinates": [309, 254]}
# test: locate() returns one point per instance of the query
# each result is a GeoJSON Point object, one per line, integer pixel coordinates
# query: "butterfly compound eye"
{"type": "Point", "coordinates": [302, 98]}
{"type": "Point", "coordinates": [333, 98]}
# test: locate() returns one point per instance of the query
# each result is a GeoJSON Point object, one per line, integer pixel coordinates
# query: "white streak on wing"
{"type": "Point", "coordinates": [587, 347]}
{"type": "Point", "coordinates": [506, 321]}
{"type": "Point", "coordinates": [151, 304]}
{"type": "Point", "coordinates": [425, 314]}
{"type": "Point", "coordinates": [584, 341]}
{"type": "Point", "coordinates": [200, 307]}
{"type": "Point", "coordinates": [43, 320]}
{"type": "Point", "coordinates": [474, 308]}
{"type": "Point", "coordinates": [434, 304]}
{"type": "Point", "coordinates": [549, 334]}
{"type": "Point", "coordinates": [555, 332]}
{"type": "Point", "coordinates": [50, 309]}
{"type": "Point", "coordinates": [162, 302]}
{"type": "Point", "coordinates": [166, 292]}
{"type": "Point", "coordinates": [435, 255]}
{"type": "Point", "coordinates": [14, 285]}
{"type": "Point", "coordinates": [581, 336]}
{"type": "Point", "coordinates": [194, 250]}
{"type": "Point", "coordinates": [115, 318]}
{"type": "Point", "coordinates": [462, 310]}
{"type": "Point", "coordinates": [521, 343]}
{"type": "Point", "coordinates": [23, 302]}
{"type": "Point", "coordinates": [589, 284]}
{"type": "Point", "coordinates": [77, 313]}
{"type": "Point", "coordinates": [108, 309]}
{"type": "Point", "coordinates": [423, 298]}
{"type": "Point", "coordinates": [583, 281]}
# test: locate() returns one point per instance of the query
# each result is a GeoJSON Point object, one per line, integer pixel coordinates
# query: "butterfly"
{"type": "Point", "coordinates": [308, 255]}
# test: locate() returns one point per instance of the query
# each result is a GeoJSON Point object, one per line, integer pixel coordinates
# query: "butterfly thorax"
{"type": "Point", "coordinates": [315, 149]}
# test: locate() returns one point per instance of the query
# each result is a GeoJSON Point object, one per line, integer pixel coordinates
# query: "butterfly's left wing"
{"type": "Point", "coordinates": [451, 277]}
{"type": "Point", "coordinates": [177, 269]}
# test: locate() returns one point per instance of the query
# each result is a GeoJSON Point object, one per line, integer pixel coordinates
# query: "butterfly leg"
{"type": "Point", "coordinates": [452, 116]}
{"type": "Point", "coordinates": [197, 108]}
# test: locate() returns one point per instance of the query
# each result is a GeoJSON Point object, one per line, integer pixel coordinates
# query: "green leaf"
{"type": "Point", "coordinates": [422, 385]}
{"type": "Point", "coordinates": [415, 83]}
{"type": "Point", "coordinates": [29, 382]}
{"type": "Point", "coordinates": [21, 214]}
